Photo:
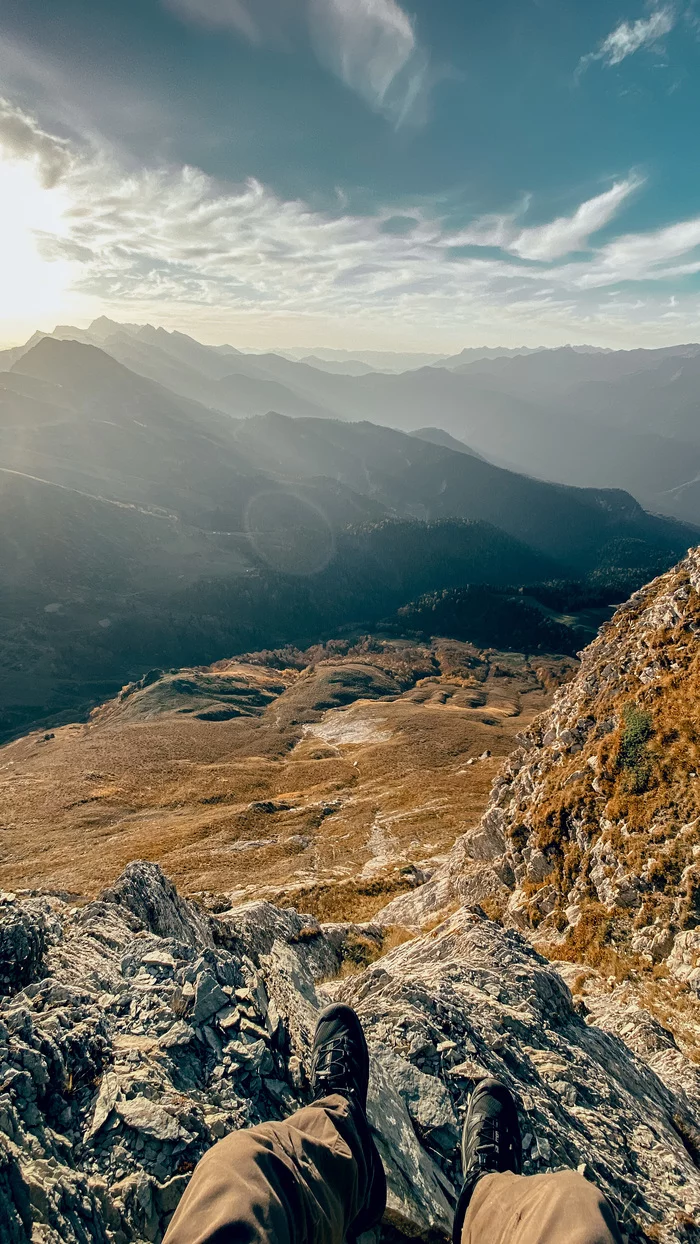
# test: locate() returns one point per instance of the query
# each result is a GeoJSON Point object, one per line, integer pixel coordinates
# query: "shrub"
{"type": "Point", "coordinates": [633, 755]}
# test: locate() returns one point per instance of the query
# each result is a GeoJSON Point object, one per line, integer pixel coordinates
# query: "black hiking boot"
{"type": "Point", "coordinates": [340, 1064]}
{"type": "Point", "coordinates": [490, 1142]}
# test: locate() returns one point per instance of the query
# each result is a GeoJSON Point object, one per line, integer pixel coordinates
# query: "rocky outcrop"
{"type": "Point", "coordinates": [592, 833]}
{"type": "Point", "coordinates": [147, 895]}
{"type": "Point", "coordinates": [473, 999]}
{"type": "Point", "coordinates": [150, 1028]}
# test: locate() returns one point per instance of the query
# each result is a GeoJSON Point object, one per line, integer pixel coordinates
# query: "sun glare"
{"type": "Point", "coordinates": [31, 286]}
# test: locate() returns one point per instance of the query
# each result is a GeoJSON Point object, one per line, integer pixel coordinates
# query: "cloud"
{"type": "Point", "coordinates": [22, 138]}
{"type": "Point", "coordinates": [629, 37]}
{"type": "Point", "coordinates": [370, 45]}
{"type": "Point", "coordinates": [172, 244]}
{"type": "Point", "coordinates": [556, 238]}
{"type": "Point", "coordinates": [645, 256]}
{"type": "Point", "coordinates": [226, 14]}
{"type": "Point", "coordinates": [492, 230]}
{"type": "Point", "coordinates": [571, 233]}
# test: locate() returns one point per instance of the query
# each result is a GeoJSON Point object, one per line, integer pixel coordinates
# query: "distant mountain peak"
{"type": "Point", "coordinates": [438, 436]}
{"type": "Point", "coordinates": [65, 361]}
{"type": "Point", "coordinates": [103, 327]}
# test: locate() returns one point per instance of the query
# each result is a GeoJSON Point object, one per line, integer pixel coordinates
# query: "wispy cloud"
{"type": "Point", "coordinates": [371, 45]}
{"type": "Point", "coordinates": [172, 244]}
{"type": "Point", "coordinates": [572, 233]}
{"type": "Point", "coordinates": [629, 37]}
{"type": "Point", "coordinates": [660, 254]}
{"type": "Point", "coordinates": [226, 14]}
{"type": "Point", "coordinates": [555, 239]}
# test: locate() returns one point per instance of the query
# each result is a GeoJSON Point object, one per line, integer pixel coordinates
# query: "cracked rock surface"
{"type": "Point", "coordinates": [146, 1029]}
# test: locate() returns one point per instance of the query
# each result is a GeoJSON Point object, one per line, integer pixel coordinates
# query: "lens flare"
{"type": "Point", "coordinates": [289, 532]}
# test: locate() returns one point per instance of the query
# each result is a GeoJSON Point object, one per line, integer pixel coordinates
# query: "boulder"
{"type": "Point", "coordinates": [684, 958]}
{"type": "Point", "coordinates": [209, 998]}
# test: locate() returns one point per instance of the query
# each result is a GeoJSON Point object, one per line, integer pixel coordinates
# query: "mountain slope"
{"type": "Point", "coordinates": [642, 401]}
{"type": "Point", "coordinates": [411, 476]}
{"type": "Point", "coordinates": [552, 373]}
{"type": "Point", "coordinates": [437, 436]}
{"type": "Point", "coordinates": [592, 835]}
{"type": "Point", "coordinates": [232, 384]}
{"type": "Point", "coordinates": [130, 439]}
{"type": "Point", "coordinates": [624, 417]}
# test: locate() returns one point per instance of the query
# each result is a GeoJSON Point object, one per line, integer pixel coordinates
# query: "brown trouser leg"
{"type": "Point", "coordinates": [561, 1208]}
{"type": "Point", "coordinates": [303, 1181]}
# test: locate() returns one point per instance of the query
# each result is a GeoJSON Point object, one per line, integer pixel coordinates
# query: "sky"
{"type": "Point", "coordinates": [366, 174]}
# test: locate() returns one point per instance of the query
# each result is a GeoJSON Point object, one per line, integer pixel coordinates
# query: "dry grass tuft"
{"type": "Point", "coordinates": [360, 951]}
{"type": "Point", "coordinates": [493, 906]}
{"type": "Point", "coordinates": [351, 901]}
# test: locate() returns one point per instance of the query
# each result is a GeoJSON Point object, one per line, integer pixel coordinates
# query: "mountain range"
{"type": "Point", "coordinates": [158, 506]}
{"type": "Point", "coordinates": [574, 415]}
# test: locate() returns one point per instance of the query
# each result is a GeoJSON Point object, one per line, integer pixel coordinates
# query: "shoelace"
{"type": "Point", "coordinates": [330, 1066]}
{"type": "Point", "coordinates": [487, 1151]}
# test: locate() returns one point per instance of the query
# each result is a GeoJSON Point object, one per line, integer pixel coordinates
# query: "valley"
{"type": "Point", "coordinates": [341, 781]}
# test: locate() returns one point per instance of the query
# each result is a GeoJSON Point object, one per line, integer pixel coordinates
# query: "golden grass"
{"type": "Point", "coordinates": [345, 900]}
{"type": "Point", "coordinates": [194, 795]}
{"type": "Point", "coordinates": [493, 906]}
{"type": "Point", "coordinates": [360, 952]}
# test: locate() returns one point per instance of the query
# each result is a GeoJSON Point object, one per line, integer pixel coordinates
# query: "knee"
{"type": "Point", "coordinates": [574, 1185]}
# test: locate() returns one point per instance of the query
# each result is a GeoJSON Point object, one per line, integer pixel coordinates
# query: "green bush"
{"type": "Point", "coordinates": [634, 754]}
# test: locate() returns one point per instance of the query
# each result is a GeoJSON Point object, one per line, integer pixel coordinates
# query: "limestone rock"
{"type": "Point", "coordinates": [684, 958]}
{"type": "Point", "coordinates": [427, 1101]}
{"type": "Point", "coordinates": [150, 1119]}
{"type": "Point", "coordinates": [253, 928]}
{"type": "Point", "coordinates": [109, 1096]}
{"type": "Point", "coordinates": [209, 998]}
{"type": "Point", "coordinates": [145, 891]}
{"type": "Point", "coordinates": [420, 1201]}
{"type": "Point", "coordinates": [582, 1091]}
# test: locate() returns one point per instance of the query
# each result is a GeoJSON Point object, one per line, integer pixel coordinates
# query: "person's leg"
{"type": "Point", "coordinates": [316, 1178]}
{"type": "Point", "coordinates": [302, 1181]}
{"type": "Point", "coordinates": [498, 1205]}
{"type": "Point", "coordinates": [559, 1208]}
